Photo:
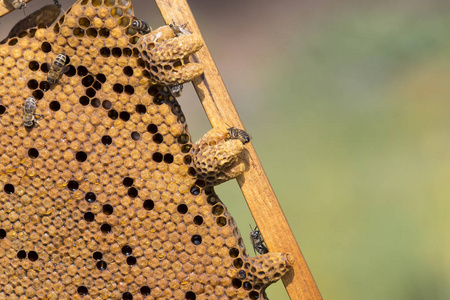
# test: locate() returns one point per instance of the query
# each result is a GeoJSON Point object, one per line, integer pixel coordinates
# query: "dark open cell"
{"type": "Point", "coordinates": [78, 32]}
{"type": "Point", "coordinates": [104, 32]}
{"type": "Point", "coordinates": [2, 233]}
{"type": "Point", "coordinates": [213, 199]}
{"type": "Point", "coordinates": [195, 190]}
{"type": "Point", "coordinates": [238, 263]}
{"type": "Point", "coordinates": [152, 128]}
{"type": "Point", "coordinates": [90, 92]}
{"type": "Point", "coordinates": [90, 197]}
{"type": "Point", "coordinates": [84, 100]}
{"type": "Point", "coordinates": [221, 221]}
{"type": "Point", "coordinates": [168, 158]}
{"type": "Point", "coordinates": [158, 157]}
{"type": "Point", "coordinates": [192, 172]}
{"type": "Point", "coordinates": [97, 85]}
{"type": "Point", "coordinates": [33, 152]}
{"type": "Point", "coordinates": [183, 138]}
{"type": "Point", "coordinates": [128, 71]}
{"type": "Point", "coordinates": [159, 99]}
{"type": "Point", "coordinates": [33, 65]}
{"type": "Point", "coordinates": [21, 254]}
{"type": "Point", "coordinates": [140, 109]}
{"type": "Point", "coordinates": [127, 250]}
{"type": "Point", "coordinates": [2, 109]}
{"type": "Point", "coordinates": [127, 296]}
{"type": "Point", "coordinates": [46, 47]}
{"type": "Point", "coordinates": [118, 88]}
{"type": "Point", "coordinates": [198, 220]}
{"type": "Point", "coordinates": [89, 217]}
{"type": "Point", "coordinates": [113, 114]}
{"type": "Point", "coordinates": [149, 204]}
{"type": "Point", "coordinates": [82, 71]}
{"type": "Point", "coordinates": [200, 183]}
{"type": "Point", "coordinates": [132, 192]}
{"type": "Point", "coordinates": [187, 160]}
{"type": "Point", "coordinates": [237, 283]}
{"type": "Point", "coordinates": [101, 77]}
{"type": "Point", "coordinates": [131, 260]}
{"type": "Point", "coordinates": [124, 115]}
{"type": "Point", "coordinates": [88, 80]}
{"type": "Point", "coordinates": [129, 89]}
{"type": "Point", "coordinates": [196, 239]}
{"type": "Point", "coordinates": [153, 90]}
{"type": "Point", "coordinates": [72, 185]}
{"type": "Point", "coordinates": [8, 188]}
{"type": "Point", "coordinates": [253, 295]}
{"type": "Point", "coordinates": [209, 190]}
{"type": "Point", "coordinates": [135, 135]}
{"type": "Point", "coordinates": [32, 84]}
{"type": "Point", "coordinates": [242, 274]}
{"type": "Point", "coordinates": [97, 255]}
{"type": "Point", "coordinates": [105, 228]}
{"type": "Point", "coordinates": [116, 51]}
{"type": "Point", "coordinates": [127, 181]}
{"type": "Point", "coordinates": [145, 290]}
{"type": "Point", "coordinates": [81, 156]}
{"type": "Point", "coordinates": [95, 102]}
{"type": "Point", "coordinates": [38, 94]}
{"type": "Point", "coordinates": [92, 32]}
{"type": "Point", "coordinates": [84, 22]}
{"type": "Point", "coordinates": [247, 285]}
{"type": "Point", "coordinates": [107, 209]}
{"type": "Point", "coordinates": [82, 290]}
{"type": "Point", "coordinates": [101, 265]}
{"type": "Point", "coordinates": [141, 63]}
{"type": "Point", "coordinates": [186, 148]}
{"type": "Point", "coordinates": [127, 52]}
{"type": "Point", "coordinates": [33, 256]}
{"type": "Point", "coordinates": [217, 210]}
{"type": "Point", "coordinates": [182, 209]}
{"type": "Point", "coordinates": [234, 252]}
{"type": "Point", "coordinates": [44, 67]}
{"type": "Point", "coordinates": [72, 71]}
{"type": "Point", "coordinates": [54, 105]}
{"type": "Point", "coordinates": [105, 52]}
{"type": "Point", "coordinates": [158, 138]}
{"type": "Point", "coordinates": [44, 85]}
{"type": "Point", "coordinates": [190, 296]}
{"type": "Point", "coordinates": [106, 104]}
{"type": "Point", "coordinates": [106, 140]}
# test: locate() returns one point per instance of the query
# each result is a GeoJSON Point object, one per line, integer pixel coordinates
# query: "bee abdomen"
{"type": "Point", "coordinates": [140, 26]}
{"type": "Point", "coordinates": [60, 60]}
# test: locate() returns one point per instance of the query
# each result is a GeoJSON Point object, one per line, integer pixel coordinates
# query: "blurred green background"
{"type": "Point", "coordinates": [348, 103]}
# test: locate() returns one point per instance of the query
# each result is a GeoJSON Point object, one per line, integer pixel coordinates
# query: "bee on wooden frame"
{"type": "Point", "coordinates": [239, 134]}
{"type": "Point", "coordinates": [57, 68]}
{"type": "Point", "coordinates": [257, 241]}
{"type": "Point", "coordinates": [178, 29]}
{"type": "Point", "coordinates": [141, 26]}
{"type": "Point", "coordinates": [29, 115]}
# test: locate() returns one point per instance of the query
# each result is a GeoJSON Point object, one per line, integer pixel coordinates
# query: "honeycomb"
{"type": "Point", "coordinates": [101, 199]}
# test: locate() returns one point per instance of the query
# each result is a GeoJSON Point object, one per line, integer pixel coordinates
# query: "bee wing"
{"type": "Point", "coordinates": [65, 69]}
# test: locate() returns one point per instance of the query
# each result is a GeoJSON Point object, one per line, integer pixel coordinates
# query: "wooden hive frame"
{"type": "Point", "coordinates": [254, 184]}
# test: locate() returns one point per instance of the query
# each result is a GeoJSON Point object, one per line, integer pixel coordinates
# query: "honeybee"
{"type": "Point", "coordinates": [239, 134]}
{"type": "Point", "coordinates": [257, 241]}
{"type": "Point", "coordinates": [29, 115]}
{"type": "Point", "coordinates": [178, 29]}
{"type": "Point", "coordinates": [141, 26]}
{"type": "Point", "coordinates": [57, 68]}
{"type": "Point", "coordinates": [176, 90]}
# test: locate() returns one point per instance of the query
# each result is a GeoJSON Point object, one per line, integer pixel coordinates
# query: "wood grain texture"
{"type": "Point", "coordinates": [6, 7]}
{"type": "Point", "coordinates": [254, 184]}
